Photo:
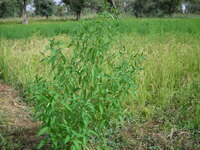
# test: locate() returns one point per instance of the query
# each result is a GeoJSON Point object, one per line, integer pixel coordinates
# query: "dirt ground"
{"type": "Point", "coordinates": [17, 128]}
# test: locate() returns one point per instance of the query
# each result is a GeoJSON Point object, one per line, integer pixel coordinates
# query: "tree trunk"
{"type": "Point", "coordinates": [112, 2]}
{"type": "Point", "coordinates": [78, 15]}
{"type": "Point", "coordinates": [24, 13]}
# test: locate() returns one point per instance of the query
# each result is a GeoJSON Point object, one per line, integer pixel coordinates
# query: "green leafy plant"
{"type": "Point", "coordinates": [87, 92]}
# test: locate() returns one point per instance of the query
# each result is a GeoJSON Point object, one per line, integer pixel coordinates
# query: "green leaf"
{"type": "Point", "coordinates": [72, 147]}
{"type": "Point", "coordinates": [121, 120]}
{"type": "Point", "coordinates": [67, 139]}
{"type": "Point", "coordinates": [53, 120]}
{"type": "Point", "coordinates": [93, 132]}
{"type": "Point", "coordinates": [42, 143]}
{"type": "Point", "coordinates": [84, 140]}
{"type": "Point", "coordinates": [99, 147]}
{"type": "Point", "coordinates": [76, 143]}
{"type": "Point", "coordinates": [101, 109]}
{"type": "Point", "coordinates": [43, 131]}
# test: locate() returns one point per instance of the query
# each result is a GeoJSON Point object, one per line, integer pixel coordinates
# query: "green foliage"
{"type": "Point", "coordinates": [153, 8]}
{"type": "Point", "coordinates": [87, 92]}
{"type": "Point", "coordinates": [187, 102]}
{"type": "Point", "coordinates": [193, 6]}
{"type": "Point", "coordinates": [9, 8]}
{"type": "Point", "coordinates": [124, 26]}
{"type": "Point", "coordinates": [60, 10]}
{"type": "Point", "coordinates": [44, 8]}
{"type": "Point", "coordinates": [137, 7]}
{"type": "Point", "coordinates": [76, 6]}
{"type": "Point", "coordinates": [169, 6]}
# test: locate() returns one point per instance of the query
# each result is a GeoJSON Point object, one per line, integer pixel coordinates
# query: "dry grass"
{"type": "Point", "coordinates": [13, 112]}
{"type": "Point", "coordinates": [22, 59]}
{"type": "Point", "coordinates": [39, 18]}
{"type": "Point", "coordinates": [17, 128]}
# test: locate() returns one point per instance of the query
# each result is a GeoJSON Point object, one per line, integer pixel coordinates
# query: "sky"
{"type": "Point", "coordinates": [57, 1]}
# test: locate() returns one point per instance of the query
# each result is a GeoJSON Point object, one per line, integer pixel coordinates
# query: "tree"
{"type": "Point", "coordinates": [97, 4]}
{"type": "Point", "coordinates": [44, 8]}
{"type": "Point", "coordinates": [76, 6]}
{"type": "Point", "coordinates": [24, 13]}
{"type": "Point", "coordinates": [61, 10]}
{"type": "Point", "coordinates": [193, 6]}
{"type": "Point", "coordinates": [9, 8]}
{"type": "Point", "coordinates": [14, 8]}
{"type": "Point", "coordinates": [112, 3]}
{"type": "Point", "coordinates": [169, 6]}
{"type": "Point", "coordinates": [154, 8]}
{"type": "Point", "coordinates": [139, 8]}
{"type": "Point", "coordinates": [23, 5]}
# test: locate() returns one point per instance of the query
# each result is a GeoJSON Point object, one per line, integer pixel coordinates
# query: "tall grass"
{"type": "Point", "coordinates": [170, 80]}
{"type": "Point", "coordinates": [138, 26]}
{"type": "Point", "coordinates": [169, 85]}
{"type": "Point", "coordinates": [20, 59]}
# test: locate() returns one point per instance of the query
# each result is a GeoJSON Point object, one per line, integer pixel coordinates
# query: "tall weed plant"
{"type": "Point", "coordinates": [88, 92]}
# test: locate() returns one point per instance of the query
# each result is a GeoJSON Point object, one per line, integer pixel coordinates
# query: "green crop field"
{"type": "Point", "coordinates": [165, 110]}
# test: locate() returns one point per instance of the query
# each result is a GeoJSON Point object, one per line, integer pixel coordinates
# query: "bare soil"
{"type": "Point", "coordinates": [17, 128]}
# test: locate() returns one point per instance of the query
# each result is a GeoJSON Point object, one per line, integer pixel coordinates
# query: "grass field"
{"type": "Point", "coordinates": [166, 112]}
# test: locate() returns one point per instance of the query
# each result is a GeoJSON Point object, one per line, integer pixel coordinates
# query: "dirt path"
{"type": "Point", "coordinates": [13, 111]}
{"type": "Point", "coordinates": [17, 128]}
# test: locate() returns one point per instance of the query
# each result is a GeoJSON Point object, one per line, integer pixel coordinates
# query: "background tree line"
{"type": "Point", "coordinates": [138, 8]}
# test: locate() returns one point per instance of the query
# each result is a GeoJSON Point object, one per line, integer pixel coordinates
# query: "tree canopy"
{"type": "Point", "coordinates": [44, 8]}
{"type": "Point", "coordinates": [76, 6]}
{"type": "Point", "coordinates": [152, 8]}
{"type": "Point", "coordinates": [9, 8]}
{"type": "Point", "coordinates": [139, 8]}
